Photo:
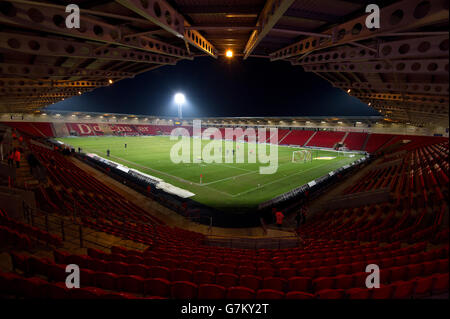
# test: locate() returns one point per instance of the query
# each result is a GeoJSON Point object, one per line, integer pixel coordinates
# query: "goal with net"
{"type": "Point", "coordinates": [301, 156]}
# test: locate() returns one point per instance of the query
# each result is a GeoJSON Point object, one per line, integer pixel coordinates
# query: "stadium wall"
{"type": "Point", "coordinates": [357, 126]}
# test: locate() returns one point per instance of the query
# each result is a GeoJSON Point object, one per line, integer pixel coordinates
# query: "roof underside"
{"type": "Point", "coordinates": [400, 69]}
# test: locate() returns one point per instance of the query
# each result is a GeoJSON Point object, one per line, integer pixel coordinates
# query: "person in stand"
{"type": "Point", "coordinates": [17, 157]}
{"type": "Point", "coordinates": [304, 213]}
{"type": "Point", "coordinates": [279, 218]}
{"type": "Point", "coordinates": [32, 162]}
{"type": "Point", "coordinates": [11, 158]}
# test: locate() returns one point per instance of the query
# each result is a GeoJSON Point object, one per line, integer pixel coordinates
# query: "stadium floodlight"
{"type": "Point", "coordinates": [229, 54]}
{"type": "Point", "coordinates": [180, 99]}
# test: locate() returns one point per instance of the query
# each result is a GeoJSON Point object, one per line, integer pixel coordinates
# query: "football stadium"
{"type": "Point", "coordinates": [264, 150]}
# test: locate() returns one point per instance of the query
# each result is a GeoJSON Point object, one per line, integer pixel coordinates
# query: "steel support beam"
{"type": "Point", "coordinates": [162, 14]}
{"type": "Point", "coordinates": [270, 14]}
{"type": "Point", "coordinates": [40, 71]}
{"type": "Point", "coordinates": [430, 67]}
{"type": "Point", "coordinates": [21, 83]}
{"type": "Point", "coordinates": [427, 47]}
{"type": "Point", "coordinates": [424, 88]}
{"type": "Point", "coordinates": [195, 38]}
{"type": "Point", "coordinates": [57, 47]}
{"type": "Point", "coordinates": [411, 98]}
{"type": "Point", "coordinates": [52, 20]}
{"type": "Point", "coordinates": [158, 12]}
{"type": "Point", "coordinates": [403, 15]}
{"type": "Point", "coordinates": [41, 90]}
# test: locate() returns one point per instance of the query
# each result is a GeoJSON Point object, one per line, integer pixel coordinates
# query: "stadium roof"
{"type": "Point", "coordinates": [401, 69]}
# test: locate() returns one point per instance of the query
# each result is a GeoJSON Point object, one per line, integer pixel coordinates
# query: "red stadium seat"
{"type": "Point", "coordinates": [397, 273]}
{"type": "Point", "coordinates": [226, 269]}
{"type": "Point", "coordinates": [358, 293]}
{"type": "Point", "coordinates": [118, 268]}
{"type": "Point", "coordinates": [181, 274]}
{"type": "Point", "coordinates": [156, 287]}
{"type": "Point", "coordinates": [211, 291]}
{"type": "Point", "coordinates": [133, 284]}
{"type": "Point", "coordinates": [344, 281]}
{"type": "Point", "coordinates": [107, 281]}
{"type": "Point", "coordinates": [226, 280]}
{"type": "Point", "coordinates": [183, 290]}
{"type": "Point", "coordinates": [330, 294]}
{"type": "Point", "coordinates": [384, 292]}
{"type": "Point", "coordinates": [265, 272]}
{"type": "Point", "coordinates": [443, 266]}
{"type": "Point", "coordinates": [138, 270]}
{"type": "Point", "coordinates": [57, 291]}
{"type": "Point", "coordinates": [86, 293]}
{"type": "Point", "coordinates": [323, 283]}
{"type": "Point", "coordinates": [274, 283]}
{"type": "Point", "coordinates": [403, 290]}
{"type": "Point", "coordinates": [299, 295]}
{"type": "Point", "coordinates": [250, 281]}
{"type": "Point", "coordinates": [240, 293]}
{"type": "Point", "coordinates": [269, 294]}
{"type": "Point", "coordinates": [440, 283]}
{"type": "Point", "coordinates": [287, 272]}
{"type": "Point", "coordinates": [430, 267]}
{"type": "Point", "coordinates": [204, 277]}
{"type": "Point", "coordinates": [423, 287]}
{"type": "Point", "coordinates": [87, 278]}
{"type": "Point", "coordinates": [32, 287]}
{"type": "Point", "coordinates": [159, 272]}
{"type": "Point", "coordinates": [414, 271]}
{"type": "Point", "coordinates": [297, 283]}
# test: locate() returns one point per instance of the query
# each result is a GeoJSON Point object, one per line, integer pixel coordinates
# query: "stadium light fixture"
{"type": "Point", "coordinates": [79, 92]}
{"type": "Point", "coordinates": [110, 81]}
{"type": "Point", "coordinates": [229, 54]}
{"type": "Point", "coordinates": [179, 100]}
{"type": "Point", "coordinates": [349, 90]}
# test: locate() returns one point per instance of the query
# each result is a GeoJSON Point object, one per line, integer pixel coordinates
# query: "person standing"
{"type": "Point", "coordinates": [17, 157]}
{"type": "Point", "coordinates": [11, 158]}
{"type": "Point", "coordinates": [108, 152]}
{"type": "Point", "coordinates": [279, 218]}
{"type": "Point", "coordinates": [304, 213]}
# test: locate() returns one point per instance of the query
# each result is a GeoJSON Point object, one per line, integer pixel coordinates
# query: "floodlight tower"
{"type": "Point", "coordinates": [180, 99]}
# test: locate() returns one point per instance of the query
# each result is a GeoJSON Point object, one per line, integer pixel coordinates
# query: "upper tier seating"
{"type": "Point", "coordinates": [326, 139]}
{"type": "Point", "coordinates": [297, 137]}
{"type": "Point", "coordinates": [355, 141]}
{"type": "Point", "coordinates": [376, 141]}
{"type": "Point", "coordinates": [35, 129]}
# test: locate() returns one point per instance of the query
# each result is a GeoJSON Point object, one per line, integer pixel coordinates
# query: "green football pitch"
{"type": "Point", "coordinates": [223, 185]}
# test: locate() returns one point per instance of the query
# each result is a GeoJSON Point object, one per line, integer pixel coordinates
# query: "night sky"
{"type": "Point", "coordinates": [235, 88]}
